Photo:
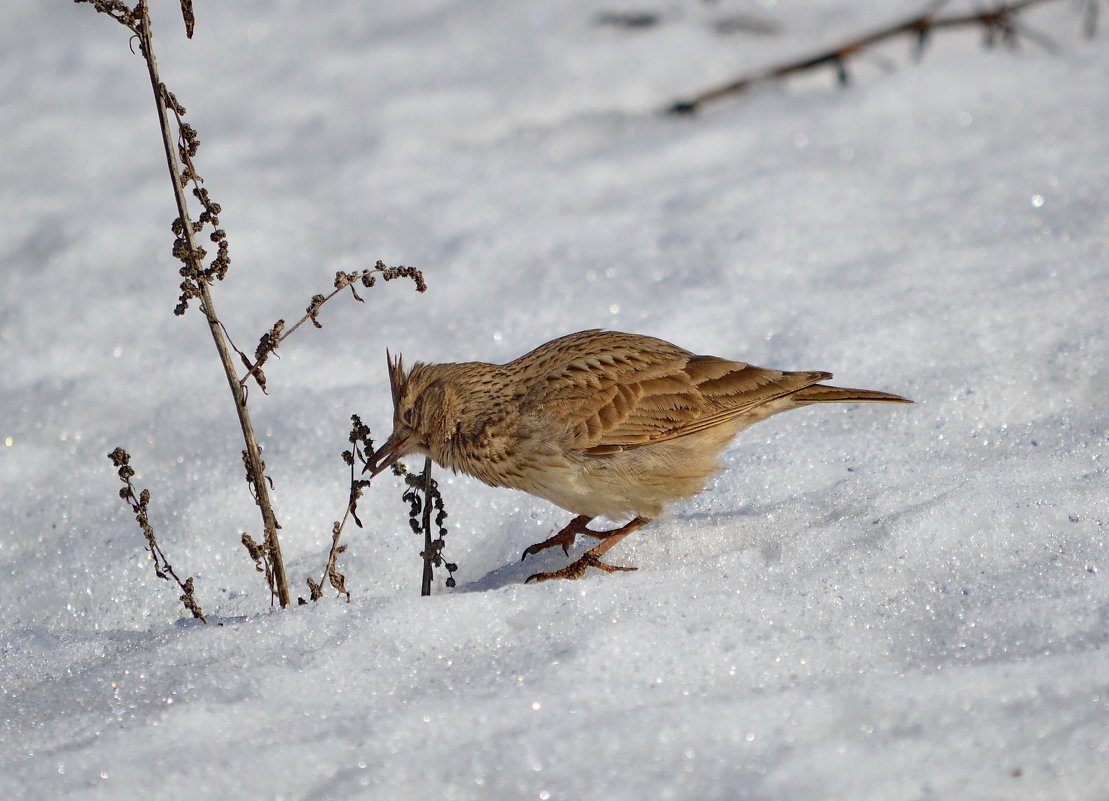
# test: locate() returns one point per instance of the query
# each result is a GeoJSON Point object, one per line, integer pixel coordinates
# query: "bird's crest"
{"type": "Point", "coordinates": [397, 376]}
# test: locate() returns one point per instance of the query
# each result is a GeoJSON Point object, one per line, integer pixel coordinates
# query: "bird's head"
{"type": "Point", "coordinates": [422, 409]}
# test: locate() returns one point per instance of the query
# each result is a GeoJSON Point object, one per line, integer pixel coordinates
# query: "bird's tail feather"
{"type": "Point", "coordinates": [822, 393]}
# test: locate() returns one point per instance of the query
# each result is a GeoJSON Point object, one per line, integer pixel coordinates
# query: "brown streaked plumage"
{"type": "Point", "coordinates": [599, 423]}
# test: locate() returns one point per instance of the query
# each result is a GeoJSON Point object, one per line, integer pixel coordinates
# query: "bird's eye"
{"type": "Point", "coordinates": [408, 416]}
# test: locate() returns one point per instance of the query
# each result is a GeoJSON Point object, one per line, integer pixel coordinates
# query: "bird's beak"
{"type": "Point", "coordinates": [386, 456]}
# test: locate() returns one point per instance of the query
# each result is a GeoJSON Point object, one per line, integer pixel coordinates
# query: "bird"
{"type": "Point", "coordinates": [600, 423]}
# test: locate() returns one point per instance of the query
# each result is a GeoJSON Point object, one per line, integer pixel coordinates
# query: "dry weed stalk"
{"type": "Point", "coordinates": [420, 506]}
{"type": "Point", "coordinates": [277, 333]}
{"type": "Point", "coordinates": [423, 496]}
{"type": "Point", "coordinates": [361, 445]}
{"type": "Point", "coordinates": [998, 24]}
{"type": "Point", "coordinates": [198, 276]}
{"type": "Point", "coordinates": [181, 144]}
{"type": "Point", "coordinates": [140, 505]}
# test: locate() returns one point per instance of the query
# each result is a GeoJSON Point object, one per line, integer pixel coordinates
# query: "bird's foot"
{"type": "Point", "coordinates": [592, 557]}
{"type": "Point", "coordinates": [575, 570]}
{"type": "Point", "coordinates": [566, 537]}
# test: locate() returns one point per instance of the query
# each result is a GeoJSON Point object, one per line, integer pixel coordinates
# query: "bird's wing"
{"type": "Point", "coordinates": [729, 389]}
{"type": "Point", "coordinates": [611, 391]}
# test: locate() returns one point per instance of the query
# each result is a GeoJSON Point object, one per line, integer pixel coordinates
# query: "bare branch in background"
{"type": "Point", "coordinates": [1000, 24]}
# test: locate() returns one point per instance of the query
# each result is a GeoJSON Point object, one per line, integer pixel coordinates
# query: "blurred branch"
{"type": "Point", "coordinates": [998, 24]}
{"type": "Point", "coordinates": [187, 16]}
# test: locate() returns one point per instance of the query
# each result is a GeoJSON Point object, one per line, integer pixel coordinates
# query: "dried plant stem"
{"type": "Point", "coordinates": [331, 571]}
{"type": "Point", "coordinates": [140, 505]}
{"type": "Point", "coordinates": [180, 142]}
{"type": "Point", "coordinates": [345, 280]}
{"type": "Point", "coordinates": [255, 467]}
{"type": "Point", "coordinates": [422, 495]}
{"type": "Point", "coordinates": [998, 22]}
{"type": "Point", "coordinates": [360, 445]}
{"type": "Point", "coordinates": [278, 332]}
{"type": "Point", "coordinates": [425, 582]}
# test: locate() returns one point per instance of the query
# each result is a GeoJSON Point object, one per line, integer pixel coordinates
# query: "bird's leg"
{"type": "Point", "coordinates": [592, 557]}
{"type": "Point", "coordinates": [566, 537]}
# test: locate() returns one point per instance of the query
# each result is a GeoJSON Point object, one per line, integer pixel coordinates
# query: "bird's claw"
{"type": "Point", "coordinates": [576, 570]}
{"type": "Point", "coordinates": [564, 538]}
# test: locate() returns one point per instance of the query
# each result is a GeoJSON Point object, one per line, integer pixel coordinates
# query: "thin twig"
{"type": "Point", "coordinates": [331, 572]}
{"type": "Point", "coordinates": [998, 22]}
{"type": "Point", "coordinates": [278, 332]}
{"type": "Point", "coordinates": [428, 554]}
{"type": "Point", "coordinates": [140, 505]}
{"type": "Point", "coordinates": [361, 447]}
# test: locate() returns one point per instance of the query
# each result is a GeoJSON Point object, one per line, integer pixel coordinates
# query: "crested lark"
{"type": "Point", "coordinates": [598, 422]}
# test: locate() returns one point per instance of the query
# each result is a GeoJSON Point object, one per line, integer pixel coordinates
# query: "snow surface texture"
{"type": "Point", "coordinates": [868, 603]}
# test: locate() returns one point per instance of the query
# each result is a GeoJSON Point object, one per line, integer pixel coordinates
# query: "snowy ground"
{"type": "Point", "coordinates": [874, 603]}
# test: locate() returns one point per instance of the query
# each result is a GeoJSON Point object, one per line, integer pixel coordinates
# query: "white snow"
{"type": "Point", "coordinates": [870, 603]}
